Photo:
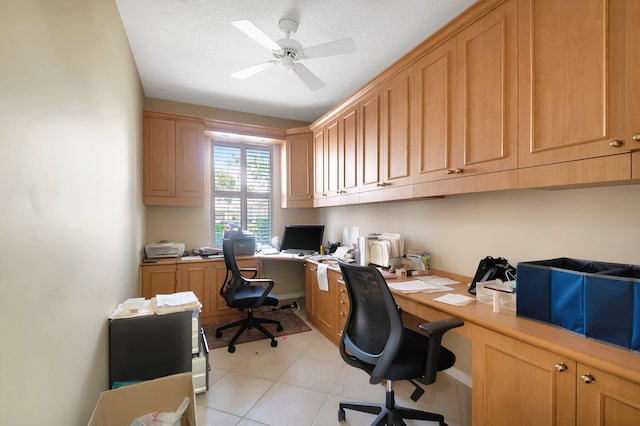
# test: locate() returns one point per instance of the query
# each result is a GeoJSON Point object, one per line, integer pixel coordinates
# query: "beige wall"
{"type": "Point", "coordinates": [72, 218]}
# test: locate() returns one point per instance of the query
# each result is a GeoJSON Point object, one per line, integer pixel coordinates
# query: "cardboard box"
{"type": "Point", "coordinates": [123, 405]}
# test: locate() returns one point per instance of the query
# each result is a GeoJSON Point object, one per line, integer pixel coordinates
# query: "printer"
{"type": "Point", "coordinates": [163, 249]}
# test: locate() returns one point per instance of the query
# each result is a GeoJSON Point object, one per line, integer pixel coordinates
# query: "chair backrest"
{"type": "Point", "coordinates": [233, 279]}
{"type": "Point", "coordinates": [373, 331]}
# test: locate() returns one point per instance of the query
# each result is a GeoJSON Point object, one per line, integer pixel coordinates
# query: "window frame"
{"type": "Point", "coordinates": [242, 194]}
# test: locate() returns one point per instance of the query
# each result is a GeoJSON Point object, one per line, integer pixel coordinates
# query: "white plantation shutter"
{"type": "Point", "coordinates": [241, 190]}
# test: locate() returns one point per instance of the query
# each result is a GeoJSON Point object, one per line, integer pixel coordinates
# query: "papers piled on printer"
{"type": "Point", "coordinates": [176, 302]}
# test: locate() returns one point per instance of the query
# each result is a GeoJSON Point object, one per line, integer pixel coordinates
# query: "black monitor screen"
{"type": "Point", "coordinates": [302, 237]}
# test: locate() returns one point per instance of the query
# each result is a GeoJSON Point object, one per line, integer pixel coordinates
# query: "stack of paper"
{"type": "Point", "coordinates": [176, 302]}
{"type": "Point", "coordinates": [455, 299]}
{"type": "Point", "coordinates": [417, 286]}
{"type": "Point", "coordinates": [122, 312]}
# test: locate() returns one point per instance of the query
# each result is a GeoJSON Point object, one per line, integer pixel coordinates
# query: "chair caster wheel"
{"type": "Point", "coordinates": [218, 334]}
{"type": "Point", "coordinates": [341, 415]}
{"type": "Point", "coordinates": [279, 327]}
{"type": "Point", "coordinates": [274, 343]}
{"type": "Point", "coordinates": [231, 349]}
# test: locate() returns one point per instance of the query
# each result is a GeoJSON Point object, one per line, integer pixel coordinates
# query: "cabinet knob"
{"type": "Point", "coordinates": [561, 366]}
{"type": "Point", "coordinates": [342, 302]}
{"type": "Point", "coordinates": [454, 171]}
{"type": "Point", "coordinates": [616, 143]}
{"type": "Point", "coordinates": [588, 378]}
{"type": "Point", "coordinates": [341, 314]}
{"type": "Point", "coordinates": [636, 137]}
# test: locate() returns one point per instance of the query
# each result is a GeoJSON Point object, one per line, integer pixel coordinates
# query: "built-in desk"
{"type": "Point", "coordinates": [527, 372]}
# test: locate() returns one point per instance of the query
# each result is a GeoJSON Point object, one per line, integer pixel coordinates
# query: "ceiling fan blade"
{"type": "Point", "coordinates": [248, 72]}
{"type": "Point", "coordinates": [307, 77]}
{"type": "Point", "coordinates": [250, 29]}
{"type": "Point", "coordinates": [337, 47]}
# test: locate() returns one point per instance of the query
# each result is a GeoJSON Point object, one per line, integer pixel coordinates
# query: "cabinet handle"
{"type": "Point", "coordinates": [177, 267]}
{"type": "Point", "coordinates": [454, 171]}
{"type": "Point", "coordinates": [341, 290]}
{"type": "Point", "coordinates": [636, 137]}
{"type": "Point", "coordinates": [616, 143]}
{"type": "Point", "coordinates": [341, 314]}
{"type": "Point", "coordinates": [588, 378]}
{"type": "Point", "coordinates": [561, 366]}
{"type": "Point", "coordinates": [342, 302]}
{"type": "Point", "coordinates": [382, 184]}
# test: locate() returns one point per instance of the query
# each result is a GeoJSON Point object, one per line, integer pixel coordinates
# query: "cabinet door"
{"type": "Point", "coordinates": [434, 109]}
{"type": "Point", "coordinates": [486, 87]}
{"type": "Point", "coordinates": [606, 400]}
{"type": "Point", "coordinates": [311, 290]}
{"type": "Point", "coordinates": [332, 158]}
{"type": "Point", "coordinates": [326, 306]}
{"type": "Point", "coordinates": [218, 303]}
{"type": "Point", "coordinates": [571, 79]}
{"type": "Point", "coordinates": [189, 163]}
{"type": "Point", "coordinates": [319, 169]}
{"type": "Point", "coordinates": [158, 279]}
{"type": "Point", "coordinates": [348, 153]}
{"type": "Point", "coordinates": [199, 278]}
{"type": "Point", "coordinates": [298, 176]}
{"type": "Point", "coordinates": [159, 157]}
{"type": "Point", "coordinates": [518, 384]}
{"type": "Point", "coordinates": [633, 80]}
{"type": "Point", "coordinates": [371, 141]}
{"type": "Point", "coordinates": [398, 130]}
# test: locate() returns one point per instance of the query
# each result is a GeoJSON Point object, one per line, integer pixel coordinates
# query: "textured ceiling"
{"type": "Point", "coordinates": [185, 50]}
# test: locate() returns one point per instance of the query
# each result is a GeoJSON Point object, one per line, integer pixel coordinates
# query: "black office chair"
{"type": "Point", "coordinates": [375, 340]}
{"type": "Point", "coordinates": [246, 293]}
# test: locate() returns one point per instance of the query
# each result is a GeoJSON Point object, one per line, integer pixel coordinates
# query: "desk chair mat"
{"type": "Point", "coordinates": [291, 323]}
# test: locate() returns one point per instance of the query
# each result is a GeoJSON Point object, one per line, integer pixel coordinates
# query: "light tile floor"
{"type": "Point", "coordinates": [300, 383]}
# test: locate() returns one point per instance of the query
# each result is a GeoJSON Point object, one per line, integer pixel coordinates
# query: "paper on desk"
{"type": "Point", "coordinates": [454, 299]}
{"type": "Point", "coordinates": [341, 252]}
{"type": "Point", "coordinates": [436, 280]}
{"type": "Point", "coordinates": [416, 286]}
{"type": "Point", "coordinates": [323, 282]}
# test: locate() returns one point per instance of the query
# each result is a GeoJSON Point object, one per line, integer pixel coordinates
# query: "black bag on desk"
{"type": "Point", "coordinates": [491, 268]}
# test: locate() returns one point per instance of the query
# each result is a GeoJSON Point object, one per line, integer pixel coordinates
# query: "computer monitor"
{"type": "Point", "coordinates": [305, 239]}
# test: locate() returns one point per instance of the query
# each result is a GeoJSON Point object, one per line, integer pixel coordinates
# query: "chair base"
{"type": "Point", "coordinates": [247, 324]}
{"type": "Point", "coordinates": [388, 413]}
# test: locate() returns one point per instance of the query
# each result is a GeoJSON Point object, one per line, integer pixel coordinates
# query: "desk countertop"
{"type": "Point", "coordinates": [618, 361]}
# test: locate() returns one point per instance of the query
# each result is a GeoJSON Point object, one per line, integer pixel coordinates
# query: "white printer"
{"type": "Point", "coordinates": [165, 249]}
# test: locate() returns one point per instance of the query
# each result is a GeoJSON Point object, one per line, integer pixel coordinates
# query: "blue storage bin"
{"type": "Point", "coordinates": [600, 300]}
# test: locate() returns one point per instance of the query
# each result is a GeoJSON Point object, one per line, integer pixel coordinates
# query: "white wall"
{"type": "Point", "coordinates": [521, 225]}
{"type": "Point", "coordinates": [72, 219]}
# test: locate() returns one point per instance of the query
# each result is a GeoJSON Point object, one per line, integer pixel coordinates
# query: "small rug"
{"type": "Point", "coordinates": [291, 323]}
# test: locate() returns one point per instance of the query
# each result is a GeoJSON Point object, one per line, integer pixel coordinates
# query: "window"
{"type": "Point", "coordinates": [240, 190]}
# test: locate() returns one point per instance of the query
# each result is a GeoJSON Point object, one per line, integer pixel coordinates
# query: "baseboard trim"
{"type": "Point", "coordinates": [460, 376]}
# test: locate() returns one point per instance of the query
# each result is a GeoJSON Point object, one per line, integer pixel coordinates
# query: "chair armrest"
{"type": "Point", "coordinates": [435, 330]}
{"type": "Point", "coordinates": [260, 281]}
{"type": "Point", "coordinates": [253, 270]}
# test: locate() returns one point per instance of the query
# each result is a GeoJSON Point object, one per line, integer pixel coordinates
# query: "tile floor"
{"type": "Point", "coordinates": [300, 383]}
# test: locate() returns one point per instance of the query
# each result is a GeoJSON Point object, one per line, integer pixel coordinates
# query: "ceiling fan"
{"type": "Point", "coordinates": [288, 51]}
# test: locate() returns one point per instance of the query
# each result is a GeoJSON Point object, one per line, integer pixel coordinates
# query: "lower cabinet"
{"type": "Point", "coordinates": [321, 305]}
{"type": "Point", "coordinates": [517, 383]}
{"type": "Point", "coordinates": [204, 278]}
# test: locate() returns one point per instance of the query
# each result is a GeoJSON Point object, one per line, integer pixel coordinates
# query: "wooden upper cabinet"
{"type": "Point", "coordinates": [386, 138]}
{"type": "Point", "coordinates": [632, 74]}
{"type": "Point", "coordinates": [348, 153]}
{"type": "Point", "coordinates": [173, 162]}
{"type": "Point", "coordinates": [434, 113]}
{"type": "Point", "coordinates": [297, 185]}
{"type": "Point", "coordinates": [159, 158]}
{"type": "Point", "coordinates": [571, 79]}
{"type": "Point", "coordinates": [486, 88]}
{"type": "Point", "coordinates": [319, 169]}
{"type": "Point", "coordinates": [466, 102]}
{"type": "Point", "coordinates": [331, 141]}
